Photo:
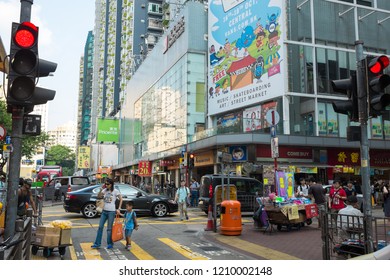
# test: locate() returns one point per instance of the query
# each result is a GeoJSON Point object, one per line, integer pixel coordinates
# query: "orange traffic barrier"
{"type": "Point", "coordinates": [210, 223]}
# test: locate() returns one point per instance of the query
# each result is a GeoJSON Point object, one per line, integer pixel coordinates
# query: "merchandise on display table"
{"type": "Point", "coordinates": [289, 213]}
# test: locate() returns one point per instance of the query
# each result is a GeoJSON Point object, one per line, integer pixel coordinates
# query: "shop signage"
{"type": "Point", "coordinates": [350, 157]}
{"type": "Point", "coordinates": [145, 168]}
{"type": "Point", "coordinates": [167, 162]}
{"type": "Point", "coordinates": [285, 152]}
{"type": "Point", "coordinates": [204, 159]}
{"type": "Point", "coordinates": [84, 157]}
{"type": "Point", "coordinates": [379, 158]}
{"type": "Point", "coordinates": [174, 34]}
{"type": "Point", "coordinates": [238, 153]}
{"type": "Point", "coordinates": [105, 169]}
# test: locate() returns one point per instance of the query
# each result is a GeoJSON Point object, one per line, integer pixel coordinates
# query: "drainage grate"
{"type": "Point", "coordinates": [190, 231]}
{"type": "Point", "coordinates": [210, 248]}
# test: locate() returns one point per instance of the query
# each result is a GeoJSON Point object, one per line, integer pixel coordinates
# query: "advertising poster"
{"type": "Point", "coordinates": [230, 122]}
{"type": "Point", "coordinates": [239, 153]}
{"type": "Point", "coordinates": [246, 55]}
{"type": "Point", "coordinates": [376, 128]}
{"type": "Point", "coordinates": [285, 184]}
{"type": "Point", "coordinates": [108, 130]}
{"type": "Point", "coordinates": [84, 157]}
{"type": "Point", "coordinates": [322, 124]}
{"type": "Point", "coordinates": [252, 119]}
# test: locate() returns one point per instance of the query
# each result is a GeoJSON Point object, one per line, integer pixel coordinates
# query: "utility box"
{"type": "Point", "coordinates": [231, 217]}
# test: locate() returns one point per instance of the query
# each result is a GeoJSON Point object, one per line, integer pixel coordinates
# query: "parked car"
{"type": "Point", "coordinates": [84, 201]}
{"type": "Point", "coordinates": [68, 184]}
{"type": "Point", "coordinates": [247, 189]}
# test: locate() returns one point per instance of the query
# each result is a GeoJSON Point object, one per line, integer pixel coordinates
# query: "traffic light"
{"type": "Point", "coordinates": [26, 67]}
{"type": "Point", "coordinates": [376, 84]}
{"type": "Point", "coordinates": [191, 161]}
{"type": "Point", "coordinates": [347, 107]}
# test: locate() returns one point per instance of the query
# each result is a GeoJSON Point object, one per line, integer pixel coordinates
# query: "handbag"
{"type": "Point", "coordinates": [117, 231]}
{"type": "Point", "coordinates": [99, 205]}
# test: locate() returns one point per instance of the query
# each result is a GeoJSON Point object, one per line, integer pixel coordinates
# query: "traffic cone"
{"type": "Point", "coordinates": [210, 224]}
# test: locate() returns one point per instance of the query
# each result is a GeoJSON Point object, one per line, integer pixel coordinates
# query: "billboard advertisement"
{"type": "Point", "coordinates": [245, 53]}
{"type": "Point", "coordinates": [84, 157]}
{"type": "Point", "coordinates": [108, 130]}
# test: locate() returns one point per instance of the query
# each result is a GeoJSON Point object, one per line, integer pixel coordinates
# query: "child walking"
{"type": "Point", "coordinates": [130, 223]}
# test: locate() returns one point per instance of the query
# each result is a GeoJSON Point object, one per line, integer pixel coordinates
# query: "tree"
{"type": "Point", "coordinates": [64, 156]}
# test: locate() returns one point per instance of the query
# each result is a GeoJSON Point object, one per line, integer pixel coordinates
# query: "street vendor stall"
{"type": "Point", "coordinates": [291, 215]}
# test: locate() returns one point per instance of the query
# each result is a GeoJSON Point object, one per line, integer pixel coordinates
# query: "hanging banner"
{"type": "Point", "coordinates": [84, 157]}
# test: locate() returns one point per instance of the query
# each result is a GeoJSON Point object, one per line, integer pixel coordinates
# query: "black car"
{"type": "Point", "coordinates": [84, 201]}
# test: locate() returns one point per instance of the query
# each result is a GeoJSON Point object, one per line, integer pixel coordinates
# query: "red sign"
{"type": "Point", "coordinates": [379, 158]}
{"type": "Point", "coordinates": [264, 151]}
{"type": "Point", "coordinates": [311, 211]}
{"type": "Point", "coordinates": [145, 168]}
{"type": "Point", "coordinates": [348, 157]}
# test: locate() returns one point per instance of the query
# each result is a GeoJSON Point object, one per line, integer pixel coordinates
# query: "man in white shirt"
{"type": "Point", "coordinates": [350, 219]}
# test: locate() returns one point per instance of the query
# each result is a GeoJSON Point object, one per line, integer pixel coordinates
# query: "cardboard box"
{"type": "Point", "coordinates": [47, 240]}
{"type": "Point", "coordinates": [48, 230]}
{"type": "Point", "coordinates": [65, 236]}
{"type": "Point", "coordinates": [47, 236]}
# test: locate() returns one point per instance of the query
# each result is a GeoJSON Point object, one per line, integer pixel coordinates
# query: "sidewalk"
{"type": "Point", "coordinates": [304, 243]}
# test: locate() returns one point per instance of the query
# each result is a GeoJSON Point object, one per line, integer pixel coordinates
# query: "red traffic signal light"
{"type": "Point", "coordinates": [26, 35]}
{"type": "Point", "coordinates": [26, 67]}
{"type": "Point", "coordinates": [377, 83]}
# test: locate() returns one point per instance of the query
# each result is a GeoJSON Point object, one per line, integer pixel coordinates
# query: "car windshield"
{"type": "Point", "coordinates": [127, 190]}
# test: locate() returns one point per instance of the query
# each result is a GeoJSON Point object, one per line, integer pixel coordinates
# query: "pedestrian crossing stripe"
{"type": "Point", "coordinates": [89, 253]}
{"type": "Point", "coordinates": [138, 252]}
{"type": "Point", "coordinates": [185, 251]}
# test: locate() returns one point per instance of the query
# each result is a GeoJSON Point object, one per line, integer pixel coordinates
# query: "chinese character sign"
{"type": "Point", "coordinates": [145, 169]}
{"type": "Point", "coordinates": [84, 157]}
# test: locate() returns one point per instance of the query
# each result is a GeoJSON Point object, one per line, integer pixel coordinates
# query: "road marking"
{"type": "Point", "coordinates": [89, 253]}
{"type": "Point", "coordinates": [255, 249]}
{"type": "Point", "coordinates": [72, 251]}
{"type": "Point", "coordinates": [138, 252]}
{"type": "Point", "coordinates": [183, 250]}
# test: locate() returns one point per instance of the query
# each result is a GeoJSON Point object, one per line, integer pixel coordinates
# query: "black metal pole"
{"type": "Point", "coordinates": [16, 154]}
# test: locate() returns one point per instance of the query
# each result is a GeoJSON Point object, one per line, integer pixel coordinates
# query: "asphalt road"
{"type": "Point", "coordinates": [165, 238]}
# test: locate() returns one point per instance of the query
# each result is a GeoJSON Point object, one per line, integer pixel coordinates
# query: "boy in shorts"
{"type": "Point", "coordinates": [130, 223]}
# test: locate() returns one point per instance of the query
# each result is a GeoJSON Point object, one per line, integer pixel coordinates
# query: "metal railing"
{"type": "Point", "coordinates": [18, 247]}
{"type": "Point", "coordinates": [344, 236]}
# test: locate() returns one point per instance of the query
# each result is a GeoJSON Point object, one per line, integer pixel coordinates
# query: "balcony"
{"type": "Point", "coordinates": [155, 24]}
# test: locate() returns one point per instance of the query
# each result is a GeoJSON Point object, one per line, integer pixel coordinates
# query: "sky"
{"type": "Point", "coordinates": [63, 29]}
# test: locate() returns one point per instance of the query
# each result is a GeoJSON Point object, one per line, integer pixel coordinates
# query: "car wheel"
{"type": "Point", "coordinates": [160, 209]}
{"type": "Point", "coordinates": [89, 210]}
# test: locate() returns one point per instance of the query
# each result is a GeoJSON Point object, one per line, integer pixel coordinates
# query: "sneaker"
{"type": "Point", "coordinates": [128, 247]}
{"type": "Point", "coordinates": [110, 246]}
{"type": "Point", "coordinates": [187, 218]}
{"type": "Point", "coordinates": [94, 246]}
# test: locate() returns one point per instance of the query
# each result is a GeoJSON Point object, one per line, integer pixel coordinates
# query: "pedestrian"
{"type": "Point", "coordinates": [25, 198]}
{"type": "Point", "coordinates": [350, 189]}
{"type": "Point", "coordinates": [351, 222]}
{"type": "Point", "coordinates": [57, 191]}
{"type": "Point", "coordinates": [173, 188]}
{"type": "Point", "coordinates": [194, 193]}
{"type": "Point", "coordinates": [130, 223]}
{"type": "Point", "coordinates": [317, 193]}
{"type": "Point", "coordinates": [302, 189]}
{"type": "Point", "coordinates": [109, 195]}
{"type": "Point", "coordinates": [181, 198]}
{"type": "Point", "coordinates": [386, 200]}
{"type": "Point", "coordinates": [337, 196]}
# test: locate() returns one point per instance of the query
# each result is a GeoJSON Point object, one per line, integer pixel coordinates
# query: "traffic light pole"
{"type": "Point", "coordinates": [16, 154]}
{"type": "Point", "coordinates": [364, 149]}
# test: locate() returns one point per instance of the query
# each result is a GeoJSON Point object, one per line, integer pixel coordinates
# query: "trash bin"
{"type": "Point", "coordinates": [231, 217]}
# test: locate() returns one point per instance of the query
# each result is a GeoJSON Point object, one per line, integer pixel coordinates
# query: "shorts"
{"type": "Point", "coordinates": [128, 232]}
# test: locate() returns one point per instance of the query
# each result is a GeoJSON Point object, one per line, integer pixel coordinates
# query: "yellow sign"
{"type": "Point", "coordinates": [218, 194]}
{"type": "Point", "coordinates": [84, 157]}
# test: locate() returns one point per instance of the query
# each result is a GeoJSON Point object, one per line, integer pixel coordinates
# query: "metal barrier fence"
{"type": "Point", "coordinates": [18, 248]}
{"type": "Point", "coordinates": [344, 236]}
